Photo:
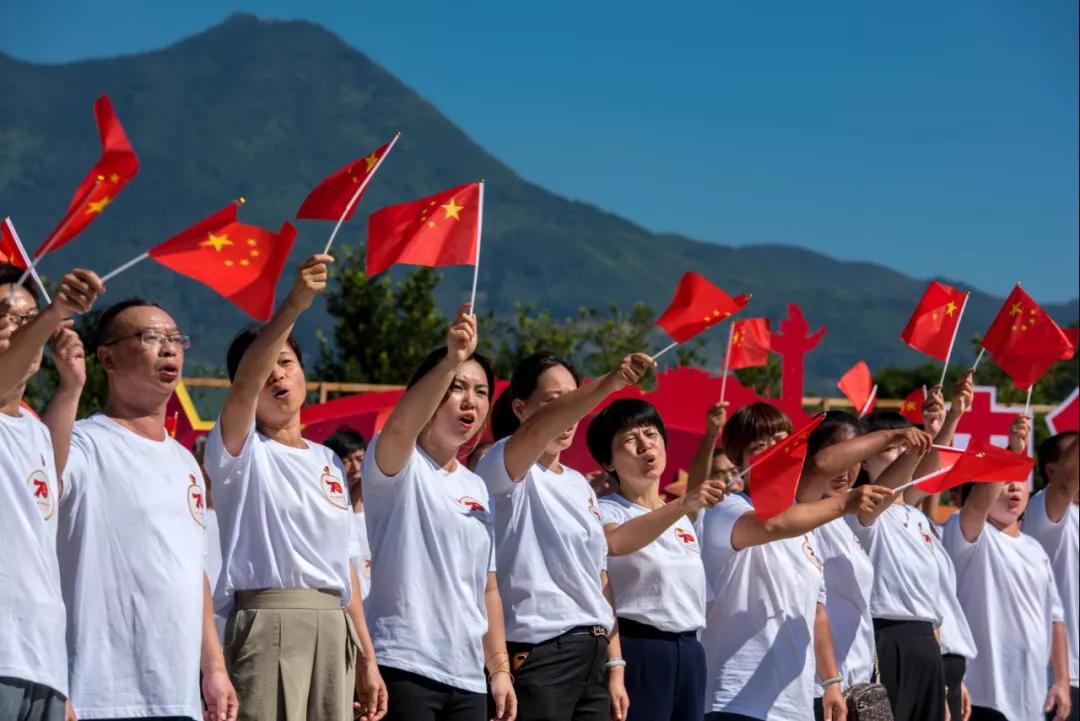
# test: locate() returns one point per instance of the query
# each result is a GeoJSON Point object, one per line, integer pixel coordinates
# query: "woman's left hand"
{"type": "Point", "coordinates": [371, 689]}
{"type": "Point", "coordinates": [832, 703]}
{"type": "Point", "coordinates": [620, 700]}
{"type": "Point", "coordinates": [502, 690]}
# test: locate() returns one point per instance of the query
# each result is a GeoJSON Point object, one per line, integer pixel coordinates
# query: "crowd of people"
{"type": "Point", "coordinates": [431, 576]}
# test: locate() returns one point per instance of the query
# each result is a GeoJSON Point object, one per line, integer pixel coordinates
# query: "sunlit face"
{"type": "Point", "coordinates": [463, 410]}
{"type": "Point", "coordinates": [353, 463]}
{"type": "Point", "coordinates": [552, 383]}
{"type": "Point", "coordinates": [761, 445]}
{"type": "Point", "coordinates": [638, 457]}
{"type": "Point", "coordinates": [842, 483]}
{"type": "Point", "coordinates": [17, 309]}
{"type": "Point", "coordinates": [723, 470]}
{"type": "Point", "coordinates": [144, 370]}
{"type": "Point", "coordinates": [282, 396]}
{"type": "Point", "coordinates": [1010, 503]}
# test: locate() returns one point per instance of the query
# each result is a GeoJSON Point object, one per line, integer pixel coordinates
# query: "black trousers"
{"type": "Point", "coordinates": [27, 701]}
{"type": "Point", "coordinates": [982, 713]}
{"type": "Point", "coordinates": [725, 716]}
{"type": "Point", "coordinates": [955, 667]}
{"type": "Point", "coordinates": [665, 673]}
{"type": "Point", "coordinates": [417, 698]}
{"type": "Point", "coordinates": [911, 669]}
{"type": "Point", "coordinates": [1074, 715]}
{"type": "Point", "coordinates": [562, 679]}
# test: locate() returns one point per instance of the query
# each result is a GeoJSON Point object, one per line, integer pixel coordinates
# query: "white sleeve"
{"type": "Point", "coordinates": [821, 594]}
{"type": "Point", "coordinates": [721, 522]}
{"type": "Point", "coordinates": [223, 467]}
{"type": "Point", "coordinates": [960, 550]}
{"type": "Point", "coordinates": [78, 461]}
{"type": "Point", "coordinates": [611, 513]}
{"type": "Point", "coordinates": [375, 479]}
{"type": "Point", "coordinates": [492, 468]}
{"type": "Point", "coordinates": [1057, 608]}
{"type": "Point", "coordinates": [863, 533]}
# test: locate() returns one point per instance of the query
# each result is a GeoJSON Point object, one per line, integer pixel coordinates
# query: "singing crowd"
{"type": "Point", "coordinates": [278, 578]}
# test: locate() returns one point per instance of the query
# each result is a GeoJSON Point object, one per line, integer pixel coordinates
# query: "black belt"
{"type": "Point", "coordinates": [636, 629]}
{"type": "Point", "coordinates": [585, 631]}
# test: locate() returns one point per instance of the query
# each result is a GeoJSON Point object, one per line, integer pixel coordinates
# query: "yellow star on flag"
{"type": "Point", "coordinates": [950, 308]}
{"type": "Point", "coordinates": [909, 406]}
{"type": "Point", "coordinates": [371, 160]}
{"type": "Point", "coordinates": [97, 206]}
{"type": "Point", "coordinates": [1016, 309]}
{"type": "Point", "coordinates": [452, 209]}
{"type": "Point", "coordinates": [217, 242]}
{"type": "Point", "coordinates": [114, 178]}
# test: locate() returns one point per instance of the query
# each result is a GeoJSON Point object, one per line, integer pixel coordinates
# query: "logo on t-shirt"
{"type": "Point", "coordinates": [196, 501]}
{"type": "Point", "coordinates": [474, 509]}
{"type": "Point", "coordinates": [593, 509]}
{"type": "Point", "coordinates": [365, 567]}
{"type": "Point", "coordinates": [926, 536]}
{"type": "Point", "coordinates": [43, 497]}
{"type": "Point", "coordinates": [808, 549]}
{"type": "Point", "coordinates": [687, 539]}
{"type": "Point", "coordinates": [333, 488]}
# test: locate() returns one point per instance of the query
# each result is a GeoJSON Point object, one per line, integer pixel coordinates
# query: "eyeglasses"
{"type": "Point", "coordinates": [20, 319]}
{"type": "Point", "coordinates": [156, 339]}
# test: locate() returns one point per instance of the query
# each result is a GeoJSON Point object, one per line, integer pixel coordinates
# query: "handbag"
{"type": "Point", "coordinates": [868, 701]}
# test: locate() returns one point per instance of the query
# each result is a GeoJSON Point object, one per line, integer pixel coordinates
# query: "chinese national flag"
{"type": "Point", "coordinates": [116, 166]}
{"type": "Point", "coordinates": [441, 229]}
{"type": "Point", "coordinates": [858, 387]}
{"type": "Point", "coordinates": [979, 463]}
{"type": "Point", "coordinates": [331, 197]}
{"type": "Point", "coordinates": [1025, 341]}
{"type": "Point", "coordinates": [911, 408]}
{"type": "Point", "coordinates": [241, 262]}
{"type": "Point", "coordinates": [933, 325]}
{"type": "Point", "coordinates": [750, 343]}
{"type": "Point", "coordinates": [698, 305]}
{"type": "Point", "coordinates": [775, 473]}
{"type": "Point", "coordinates": [11, 250]}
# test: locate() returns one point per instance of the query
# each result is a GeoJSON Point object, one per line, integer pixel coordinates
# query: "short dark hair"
{"type": "Point", "coordinates": [432, 359]}
{"type": "Point", "coordinates": [834, 421]}
{"type": "Point", "coordinates": [885, 421]}
{"type": "Point", "coordinates": [345, 441]}
{"type": "Point", "coordinates": [621, 415]}
{"type": "Point", "coordinates": [106, 322]}
{"type": "Point", "coordinates": [1050, 451]}
{"type": "Point", "coordinates": [243, 340]}
{"type": "Point", "coordinates": [750, 424]}
{"type": "Point", "coordinates": [523, 382]}
{"type": "Point", "coordinates": [10, 275]}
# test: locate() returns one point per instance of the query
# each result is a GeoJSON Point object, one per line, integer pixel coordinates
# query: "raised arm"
{"type": "Point", "coordinates": [702, 461]}
{"type": "Point", "coordinates": [833, 460]}
{"type": "Point", "coordinates": [69, 357]}
{"type": "Point", "coordinates": [802, 518]}
{"type": "Point", "coordinates": [901, 471]}
{"type": "Point", "coordinates": [418, 405]}
{"type": "Point", "coordinates": [76, 294]}
{"type": "Point", "coordinates": [258, 362]}
{"type": "Point", "coordinates": [963, 393]}
{"type": "Point", "coordinates": [1064, 481]}
{"type": "Point", "coordinates": [635, 534]}
{"type": "Point", "coordinates": [536, 433]}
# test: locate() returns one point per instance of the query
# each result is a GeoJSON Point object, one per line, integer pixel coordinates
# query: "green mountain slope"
{"type": "Point", "coordinates": [264, 109]}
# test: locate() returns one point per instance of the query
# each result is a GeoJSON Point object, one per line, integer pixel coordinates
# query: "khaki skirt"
{"type": "Point", "coordinates": [291, 655]}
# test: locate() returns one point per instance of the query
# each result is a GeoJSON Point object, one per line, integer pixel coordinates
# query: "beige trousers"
{"type": "Point", "coordinates": [291, 654]}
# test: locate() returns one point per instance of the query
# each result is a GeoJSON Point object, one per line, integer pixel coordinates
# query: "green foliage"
{"type": "Point", "coordinates": [96, 391]}
{"type": "Point", "coordinates": [764, 380]}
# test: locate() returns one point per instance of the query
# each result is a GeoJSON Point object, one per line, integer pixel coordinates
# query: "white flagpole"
{"type": "Point", "coordinates": [479, 234]}
{"type": "Point", "coordinates": [869, 402]}
{"type": "Point", "coordinates": [727, 362]}
{"type": "Point", "coordinates": [26, 259]}
{"type": "Point", "coordinates": [982, 352]}
{"type": "Point", "coordinates": [664, 350]}
{"type": "Point", "coordinates": [358, 193]}
{"type": "Point", "coordinates": [113, 273]}
{"type": "Point", "coordinates": [927, 477]}
{"type": "Point", "coordinates": [956, 332]}
{"type": "Point", "coordinates": [1027, 403]}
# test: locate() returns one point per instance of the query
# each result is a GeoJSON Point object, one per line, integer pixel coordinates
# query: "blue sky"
{"type": "Point", "coordinates": [936, 138]}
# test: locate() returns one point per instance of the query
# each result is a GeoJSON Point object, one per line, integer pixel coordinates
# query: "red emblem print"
{"type": "Point", "coordinates": [366, 569]}
{"type": "Point", "coordinates": [808, 549]}
{"type": "Point", "coordinates": [43, 497]}
{"type": "Point", "coordinates": [926, 536]}
{"type": "Point", "coordinates": [687, 538]}
{"type": "Point", "coordinates": [333, 489]}
{"type": "Point", "coordinates": [196, 501]}
{"type": "Point", "coordinates": [473, 505]}
{"type": "Point", "coordinates": [593, 509]}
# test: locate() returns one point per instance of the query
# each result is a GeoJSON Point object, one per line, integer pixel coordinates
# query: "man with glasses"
{"type": "Point", "coordinates": [33, 656]}
{"type": "Point", "coordinates": [132, 540]}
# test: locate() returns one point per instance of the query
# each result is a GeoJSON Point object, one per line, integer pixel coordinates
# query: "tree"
{"type": "Point", "coordinates": [764, 380]}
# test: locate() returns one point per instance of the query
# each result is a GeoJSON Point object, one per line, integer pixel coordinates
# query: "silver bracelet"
{"type": "Point", "coordinates": [614, 663]}
{"type": "Point", "coordinates": [831, 681]}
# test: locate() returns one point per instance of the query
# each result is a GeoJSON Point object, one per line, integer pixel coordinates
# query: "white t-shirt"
{"type": "Point", "coordinates": [361, 559]}
{"type": "Point", "coordinates": [32, 617]}
{"type": "Point", "coordinates": [1006, 586]}
{"type": "Point", "coordinates": [1061, 541]}
{"type": "Point", "coordinates": [849, 578]}
{"type": "Point", "coordinates": [132, 549]}
{"type": "Point", "coordinates": [663, 584]}
{"type": "Point", "coordinates": [550, 548]}
{"type": "Point", "coordinates": [956, 635]}
{"type": "Point", "coordinates": [284, 514]}
{"type": "Point", "coordinates": [432, 548]}
{"type": "Point", "coordinates": [901, 547]}
{"type": "Point", "coordinates": [213, 563]}
{"type": "Point", "coordinates": [759, 626]}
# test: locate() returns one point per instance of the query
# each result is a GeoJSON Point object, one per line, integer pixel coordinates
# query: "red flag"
{"type": "Point", "coordinates": [697, 306]}
{"type": "Point", "coordinates": [1024, 340]}
{"type": "Point", "coordinates": [116, 166]}
{"type": "Point", "coordinates": [859, 388]}
{"type": "Point", "coordinates": [750, 343]}
{"type": "Point", "coordinates": [979, 463]}
{"type": "Point", "coordinates": [11, 250]}
{"type": "Point", "coordinates": [1073, 336]}
{"type": "Point", "coordinates": [912, 406]}
{"type": "Point", "coordinates": [331, 197]}
{"type": "Point", "coordinates": [441, 229]}
{"type": "Point", "coordinates": [933, 325]}
{"type": "Point", "coordinates": [776, 471]}
{"type": "Point", "coordinates": [241, 262]}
